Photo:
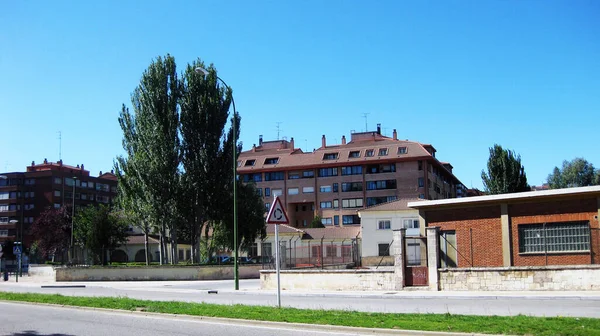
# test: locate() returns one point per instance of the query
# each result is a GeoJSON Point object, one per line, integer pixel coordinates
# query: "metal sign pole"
{"type": "Point", "coordinates": [277, 265]}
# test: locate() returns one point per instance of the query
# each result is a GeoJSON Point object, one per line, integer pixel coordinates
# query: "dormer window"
{"type": "Point", "coordinates": [272, 160]}
{"type": "Point", "coordinates": [250, 163]}
{"type": "Point", "coordinates": [383, 151]}
{"type": "Point", "coordinates": [354, 154]}
{"type": "Point", "coordinates": [402, 150]}
{"type": "Point", "coordinates": [369, 153]}
{"type": "Point", "coordinates": [330, 156]}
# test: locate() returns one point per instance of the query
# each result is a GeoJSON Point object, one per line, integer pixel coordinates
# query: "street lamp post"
{"type": "Point", "coordinates": [236, 278]}
{"type": "Point", "coordinates": [14, 221]}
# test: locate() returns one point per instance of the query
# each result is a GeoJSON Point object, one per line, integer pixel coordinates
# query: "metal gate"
{"type": "Point", "coordinates": [415, 261]}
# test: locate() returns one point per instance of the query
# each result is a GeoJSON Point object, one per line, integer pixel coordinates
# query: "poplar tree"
{"type": "Point", "coordinates": [505, 172]}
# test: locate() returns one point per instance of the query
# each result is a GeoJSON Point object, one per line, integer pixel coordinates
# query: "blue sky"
{"type": "Point", "coordinates": [461, 75]}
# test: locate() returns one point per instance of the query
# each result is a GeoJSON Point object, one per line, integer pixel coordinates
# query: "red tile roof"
{"type": "Point", "coordinates": [399, 204]}
{"type": "Point", "coordinates": [139, 240]}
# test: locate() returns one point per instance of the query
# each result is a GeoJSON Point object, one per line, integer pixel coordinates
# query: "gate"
{"type": "Point", "coordinates": [415, 261]}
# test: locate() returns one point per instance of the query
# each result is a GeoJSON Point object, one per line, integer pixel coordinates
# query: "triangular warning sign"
{"type": "Point", "coordinates": [277, 214]}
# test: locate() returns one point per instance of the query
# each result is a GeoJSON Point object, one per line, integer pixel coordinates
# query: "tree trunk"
{"type": "Point", "coordinates": [146, 248]}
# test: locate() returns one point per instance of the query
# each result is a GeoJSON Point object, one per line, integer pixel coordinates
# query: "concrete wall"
{"type": "Point", "coordinates": [377, 261]}
{"type": "Point", "coordinates": [45, 273]}
{"type": "Point", "coordinates": [335, 280]}
{"type": "Point", "coordinates": [533, 278]}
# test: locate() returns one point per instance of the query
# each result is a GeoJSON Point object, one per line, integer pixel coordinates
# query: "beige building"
{"type": "Point", "coordinates": [335, 181]}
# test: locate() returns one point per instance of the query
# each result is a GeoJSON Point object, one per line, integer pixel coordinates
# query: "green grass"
{"type": "Point", "coordinates": [517, 325]}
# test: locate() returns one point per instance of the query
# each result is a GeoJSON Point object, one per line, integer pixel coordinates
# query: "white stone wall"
{"type": "Point", "coordinates": [329, 280]}
{"type": "Point", "coordinates": [530, 278]}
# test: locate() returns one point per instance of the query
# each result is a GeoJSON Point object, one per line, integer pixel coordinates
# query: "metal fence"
{"type": "Point", "coordinates": [316, 253]}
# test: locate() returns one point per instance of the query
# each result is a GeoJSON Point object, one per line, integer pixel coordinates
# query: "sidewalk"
{"type": "Point", "coordinates": [253, 288]}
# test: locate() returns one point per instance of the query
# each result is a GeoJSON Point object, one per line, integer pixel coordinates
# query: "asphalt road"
{"type": "Point", "coordinates": [30, 320]}
{"type": "Point", "coordinates": [550, 304]}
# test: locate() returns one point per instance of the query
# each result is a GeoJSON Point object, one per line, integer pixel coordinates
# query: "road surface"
{"type": "Point", "coordinates": [30, 320]}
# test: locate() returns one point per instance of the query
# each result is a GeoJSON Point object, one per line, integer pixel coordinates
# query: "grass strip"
{"type": "Point", "coordinates": [515, 325]}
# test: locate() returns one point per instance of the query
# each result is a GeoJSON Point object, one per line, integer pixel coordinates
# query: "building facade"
{"type": "Point", "coordinates": [25, 195]}
{"type": "Point", "coordinates": [335, 181]}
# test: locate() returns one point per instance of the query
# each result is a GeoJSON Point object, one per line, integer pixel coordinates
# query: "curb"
{"type": "Point", "coordinates": [300, 326]}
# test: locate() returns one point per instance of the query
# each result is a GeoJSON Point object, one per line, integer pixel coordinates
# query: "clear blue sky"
{"type": "Point", "coordinates": [461, 75]}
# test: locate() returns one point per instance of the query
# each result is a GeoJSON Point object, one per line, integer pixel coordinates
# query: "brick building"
{"type": "Point", "coordinates": [535, 228]}
{"type": "Point", "coordinates": [24, 195]}
{"type": "Point", "coordinates": [335, 181]}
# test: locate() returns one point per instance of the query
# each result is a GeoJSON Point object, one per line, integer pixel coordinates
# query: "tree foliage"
{"type": "Point", "coordinates": [99, 229]}
{"type": "Point", "coordinates": [575, 173]}
{"type": "Point", "coordinates": [505, 172]}
{"type": "Point", "coordinates": [316, 223]}
{"type": "Point", "coordinates": [52, 231]}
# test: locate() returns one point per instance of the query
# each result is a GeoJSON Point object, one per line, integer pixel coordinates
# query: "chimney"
{"type": "Point", "coordinates": [112, 171]}
{"type": "Point", "coordinates": [45, 160]}
{"type": "Point", "coordinates": [100, 173]}
{"type": "Point", "coordinates": [395, 134]}
{"type": "Point", "coordinates": [253, 148]}
{"type": "Point", "coordinates": [379, 129]}
{"type": "Point", "coordinates": [323, 141]}
{"type": "Point", "coordinates": [292, 143]}
{"type": "Point", "coordinates": [82, 166]}
{"type": "Point", "coordinates": [32, 163]}
{"type": "Point", "coordinates": [60, 162]}
{"type": "Point", "coordinates": [77, 166]}
{"type": "Point", "coordinates": [343, 139]}
{"type": "Point", "coordinates": [260, 140]}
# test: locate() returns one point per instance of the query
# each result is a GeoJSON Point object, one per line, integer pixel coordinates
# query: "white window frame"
{"type": "Point", "coordinates": [293, 191]}
{"type": "Point", "coordinates": [384, 224]}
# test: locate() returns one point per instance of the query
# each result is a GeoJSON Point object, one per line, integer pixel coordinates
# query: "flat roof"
{"type": "Point", "coordinates": [507, 197]}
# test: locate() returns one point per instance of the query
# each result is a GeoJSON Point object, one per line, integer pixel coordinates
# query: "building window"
{"type": "Point", "coordinates": [308, 190]}
{"type": "Point", "coordinates": [352, 203]}
{"type": "Point", "coordinates": [421, 182]}
{"type": "Point", "coordinates": [384, 250]}
{"type": "Point", "coordinates": [554, 237]}
{"type": "Point", "coordinates": [29, 206]}
{"type": "Point", "coordinates": [326, 221]}
{"type": "Point", "coordinates": [420, 165]}
{"type": "Point", "coordinates": [336, 203]}
{"type": "Point", "coordinates": [102, 187]}
{"type": "Point", "coordinates": [331, 251]}
{"type": "Point", "coordinates": [249, 163]}
{"type": "Point", "coordinates": [3, 207]}
{"type": "Point", "coordinates": [352, 186]}
{"type": "Point", "coordinates": [325, 172]}
{"type": "Point", "coordinates": [369, 153]}
{"type": "Point", "coordinates": [256, 177]}
{"type": "Point", "coordinates": [350, 219]}
{"type": "Point", "coordinates": [102, 199]}
{"type": "Point", "coordinates": [3, 233]}
{"type": "Point", "coordinates": [259, 191]}
{"type": "Point", "coordinates": [382, 168]}
{"type": "Point", "coordinates": [335, 187]}
{"type": "Point", "coordinates": [277, 192]}
{"type": "Point", "coordinates": [57, 180]}
{"type": "Point", "coordinates": [29, 194]}
{"type": "Point", "coordinates": [266, 249]}
{"type": "Point", "coordinates": [3, 220]}
{"type": "Point", "coordinates": [402, 150]}
{"type": "Point", "coordinates": [411, 223]}
{"type": "Point", "coordinates": [267, 206]}
{"type": "Point", "coordinates": [308, 174]}
{"type": "Point", "coordinates": [384, 225]}
{"type": "Point", "coordinates": [354, 154]}
{"type": "Point", "coordinates": [4, 194]}
{"type": "Point", "coordinates": [383, 151]}
{"type": "Point", "coordinates": [352, 170]}
{"type": "Point", "coordinates": [325, 189]}
{"type": "Point", "coordinates": [293, 175]}
{"type": "Point", "coordinates": [56, 193]}
{"type": "Point", "coordinates": [378, 200]}
{"type": "Point", "coordinates": [336, 220]}
{"type": "Point", "coordinates": [380, 185]}
{"type": "Point", "coordinates": [272, 160]}
{"type": "Point", "coordinates": [325, 205]}
{"type": "Point", "coordinates": [84, 197]}
{"type": "Point", "coordinates": [330, 156]}
{"type": "Point", "coordinates": [267, 192]}
{"type": "Point", "coordinates": [29, 181]}
{"type": "Point", "coordinates": [274, 176]}
{"type": "Point", "coordinates": [90, 185]}
{"type": "Point", "coordinates": [292, 191]}
{"type": "Point", "coordinates": [14, 207]}
{"type": "Point", "coordinates": [422, 196]}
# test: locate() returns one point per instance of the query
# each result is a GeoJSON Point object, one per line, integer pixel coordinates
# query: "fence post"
{"type": "Point", "coordinates": [398, 251]}
{"type": "Point", "coordinates": [433, 257]}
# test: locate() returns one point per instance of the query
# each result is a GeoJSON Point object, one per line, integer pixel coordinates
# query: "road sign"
{"type": "Point", "coordinates": [277, 214]}
{"type": "Point", "coordinates": [17, 249]}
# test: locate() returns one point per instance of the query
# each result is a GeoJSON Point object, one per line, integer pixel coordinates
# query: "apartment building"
{"type": "Point", "coordinates": [25, 195]}
{"type": "Point", "coordinates": [335, 181]}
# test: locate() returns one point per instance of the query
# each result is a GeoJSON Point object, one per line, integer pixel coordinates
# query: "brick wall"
{"type": "Point", "coordinates": [480, 223]}
{"type": "Point", "coordinates": [551, 212]}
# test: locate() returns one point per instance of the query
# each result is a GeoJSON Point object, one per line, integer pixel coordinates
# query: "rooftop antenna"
{"type": "Point", "coordinates": [278, 128]}
{"type": "Point", "coordinates": [385, 130]}
{"type": "Point", "coordinates": [59, 145]}
{"type": "Point", "coordinates": [366, 126]}
{"type": "Point", "coordinates": [306, 144]}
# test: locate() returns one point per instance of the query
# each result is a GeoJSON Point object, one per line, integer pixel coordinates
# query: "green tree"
{"type": "Point", "coordinates": [152, 146]}
{"type": "Point", "coordinates": [52, 231]}
{"type": "Point", "coordinates": [505, 172]}
{"type": "Point", "coordinates": [100, 230]}
{"type": "Point", "coordinates": [575, 173]}
{"type": "Point", "coordinates": [206, 149]}
{"type": "Point", "coordinates": [316, 223]}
